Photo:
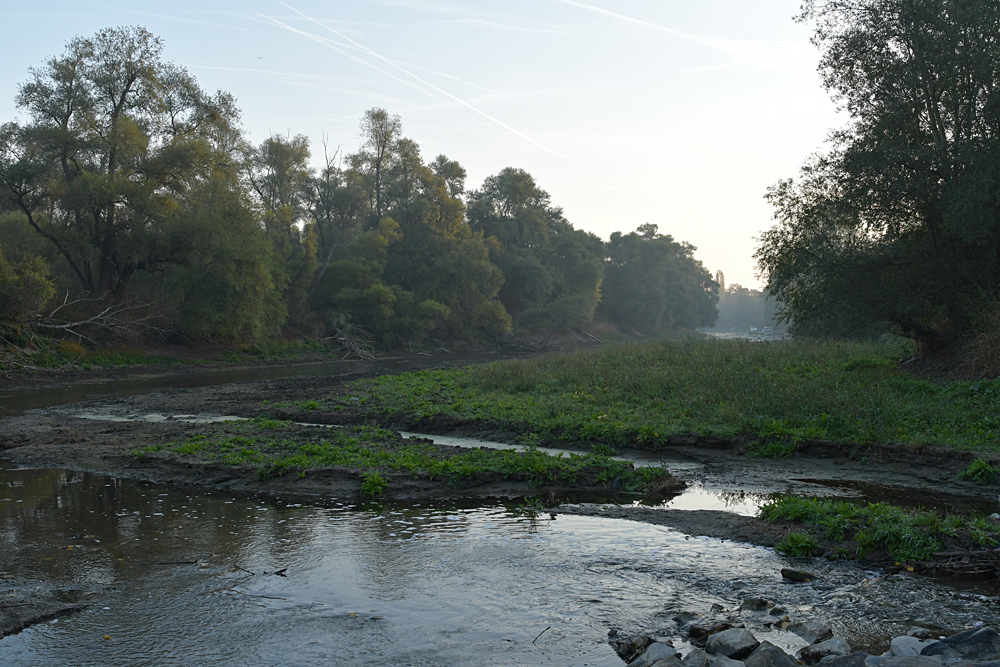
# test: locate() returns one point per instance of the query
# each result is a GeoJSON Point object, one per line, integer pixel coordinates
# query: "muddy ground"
{"type": "Point", "coordinates": [86, 436]}
{"type": "Point", "coordinates": [102, 436]}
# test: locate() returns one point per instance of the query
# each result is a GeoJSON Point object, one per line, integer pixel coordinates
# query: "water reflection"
{"type": "Point", "coordinates": [178, 577]}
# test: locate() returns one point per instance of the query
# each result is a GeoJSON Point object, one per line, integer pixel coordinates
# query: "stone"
{"type": "Point", "coordinates": [723, 661]}
{"type": "Point", "coordinates": [908, 646]}
{"type": "Point", "coordinates": [628, 646]}
{"type": "Point", "coordinates": [654, 653]}
{"type": "Point", "coordinates": [704, 627]}
{"type": "Point", "coordinates": [909, 661]}
{"type": "Point", "coordinates": [977, 645]}
{"type": "Point", "coordinates": [777, 611]}
{"type": "Point", "coordinates": [873, 661]}
{"type": "Point", "coordinates": [811, 631]}
{"type": "Point", "coordinates": [769, 655]}
{"type": "Point", "coordinates": [796, 575]}
{"type": "Point", "coordinates": [831, 647]}
{"type": "Point", "coordinates": [696, 658]}
{"type": "Point", "coordinates": [919, 633]}
{"type": "Point", "coordinates": [854, 660]}
{"type": "Point", "coordinates": [668, 662]}
{"type": "Point", "coordinates": [969, 663]}
{"type": "Point", "coordinates": [755, 604]}
{"type": "Point", "coordinates": [736, 643]}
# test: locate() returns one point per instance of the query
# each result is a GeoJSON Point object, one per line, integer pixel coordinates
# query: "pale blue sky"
{"type": "Point", "coordinates": [673, 112]}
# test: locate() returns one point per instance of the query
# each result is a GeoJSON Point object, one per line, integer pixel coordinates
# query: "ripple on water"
{"type": "Point", "coordinates": [424, 583]}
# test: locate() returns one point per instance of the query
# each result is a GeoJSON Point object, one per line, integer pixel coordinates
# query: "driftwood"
{"type": "Point", "coordinates": [114, 318]}
{"type": "Point", "coordinates": [352, 346]}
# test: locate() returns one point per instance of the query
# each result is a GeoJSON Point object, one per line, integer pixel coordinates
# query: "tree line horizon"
{"type": "Point", "coordinates": [127, 183]}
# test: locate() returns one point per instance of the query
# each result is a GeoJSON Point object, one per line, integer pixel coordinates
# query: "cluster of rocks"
{"type": "Point", "coordinates": [722, 645]}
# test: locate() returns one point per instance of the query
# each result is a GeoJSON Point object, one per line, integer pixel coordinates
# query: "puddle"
{"type": "Point", "coordinates": [638, 458]}
{"type": "Point", "coordinates": [168, 573]}
{"type": "Point", "coordinates": [912, 498]}
{"type": "Point", "coordinates": [155, 418]}
{"type": "Point", "coordinates": [696, 497]}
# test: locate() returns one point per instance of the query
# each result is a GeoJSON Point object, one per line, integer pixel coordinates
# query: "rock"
{"type": "Point", "coordinates": [981, 644]}
{"type": "Point", "coordinates": [769, 655]}
{"type": "Point", "coordinates": [919, 633]}
{"type": "Point", "coordinates": [777, 611]}
{"type": "Point", "coordinates": [855, 660]}
{"type": "Point", "coordinates": [909, 661]}
{"type": "Point", "coordinates": [655, 652]}
{"type": "Point", "coordinates": [734, 643]}
{"type": "Point", "coordinates": [696, 658]}
{"type": "Point", "coordinates": [723, 661]}
{"type": "Point", "coordinates": [717, 608]}
{"type": "Point", "coordinates": [969, 663]}
{"type": "Point", "coordinates": [873, 661]}
{"type": "Point", "coordinates": [811, 631]}
{"type": "Point", "coordinates": [755, 604]}
{"type": "Point", "coordinates": [627, 647]}
{"type": "Point", "coordinates": [796, 575]}
{"type": "Point", "coordinates": [668, 662]}
{"type": "Point", "coordinates": [908, 646]}
{"type": "Point", "coordinates": [831, 647]}
{"type": "Point", "coordinates": [995, 516]}
{"type": "Point", "coordinates": [704, 627]}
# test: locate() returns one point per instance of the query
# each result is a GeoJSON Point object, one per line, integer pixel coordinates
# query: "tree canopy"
{"type": "Point", "coordinates": [126, 182]}
{"type": "Point", "coordinates": [897, 225]}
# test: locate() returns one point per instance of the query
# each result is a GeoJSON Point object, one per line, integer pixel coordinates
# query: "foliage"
{"type": "Point", "coordinates": [653, 282]}
{"type": "Point", "coordinates": [908, 535]}
{"type": "Point", "coordinates": [24, 289]}
{"type": "Point", "coordinates": [372, 483]}
{"type": "Point", "coordinates": [895, 226]}
{"type": "Point", "coordinates": [651, 393]}
{"type": "Point", "coordinates": [797, 544]}
{"type": "Point", "coordinates": [980, 471]}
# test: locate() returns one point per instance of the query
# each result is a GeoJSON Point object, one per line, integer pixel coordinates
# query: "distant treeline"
{"type": "Point", "coordinates": [128, 185]}
{"type": "Point", "coordinates": [742, 307]}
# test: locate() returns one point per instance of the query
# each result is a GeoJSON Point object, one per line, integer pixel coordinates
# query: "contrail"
{"type": "Point", "coordinates": [415, 77]}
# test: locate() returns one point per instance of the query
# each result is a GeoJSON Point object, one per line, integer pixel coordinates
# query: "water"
{"type": "Point", "coordinates": [178, 577]}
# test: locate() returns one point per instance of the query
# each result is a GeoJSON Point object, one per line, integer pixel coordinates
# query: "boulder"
{"type": "Point", "coordinates": [703, 627]}
{"type": "Point", "coordinates": [855, 660]}
{"type": "Point", "coordinates": [628, 646]}
{"type": "Point", "coordinates": [831, 647]}
{"type": "Point", "coordinates": [777, 611]}
{"type": "Point", "coordinates": [908, 646]}
{"type": "Point", "coordinates": [969, 663]}
{"type": "Point", "coordinates": [769, 655]}
{"type": "Point", "coordinates": [811, 631]}
{"type": "Point", "coordinates": [796, 575]}
{"type": "Point", "coordinates": [655, 652]}
{"type": "Point", "coordinates": [734, 643]}
{"type": "Point", "coordinates": [696, 658]}
{"type": "Point", "coordinates": [977, 645]}
{"type": "Point", "coordinates": [909, 661]}
{"type": "Point", "coordinates": [723, 661]}
{"type": "Point", "coordinates": [873, 661]}
{"type": "Point", "coordinates": [668, 662]}
{"type": "Point", "coordinates": [755, 604]}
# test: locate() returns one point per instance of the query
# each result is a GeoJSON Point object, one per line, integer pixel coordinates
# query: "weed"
{"type": "Point", "coordinates": [310, 405]}
{"type": "Point", "coordinates": [372, 483]}
{"type": "Point", "coordinates": [980, 471]}
{"type": "Point", "coordinates": [797, 544]}
{"type": "Point", "coordinates": [603, 449]}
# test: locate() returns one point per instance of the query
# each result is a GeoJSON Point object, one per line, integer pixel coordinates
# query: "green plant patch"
{"type": "Point", "coordinates": [906, 534]}
{"type": "Point", "coordinates": [646, 394]}
{"type": "Point", "coordinates": [797, 544]}
{"type": "Point", "coordinates": [980, 471]}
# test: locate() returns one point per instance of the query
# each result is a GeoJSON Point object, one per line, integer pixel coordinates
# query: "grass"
{"type": "Point", "coordinates": [774, 396]}
{"type": "Point", "coordinates": [980, 471]}
{"type": "Point", "coordinates": [373, 451]}
{"type": "Point", "coordinates": [908, 535]}
{"type": "Point", "coordinates": [797, 544]}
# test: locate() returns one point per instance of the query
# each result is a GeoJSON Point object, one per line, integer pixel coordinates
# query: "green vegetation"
{"type": "Point", "coordinates": [907, 535]}
{"type": "Point", "coordinates": [889, 227]}
{"type": "Point", "coordinates": [797, 544]}
{"type": "Point", "coordinates": [127, 187]}
{"type": "Point", "coordinates": [980, 471]}
{"type": "Point", "coordinates": [776, 396]}
{"type": "Point", "coordinates": [374, 451]}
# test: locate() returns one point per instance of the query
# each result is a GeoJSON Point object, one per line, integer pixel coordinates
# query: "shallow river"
{"type": "Point", "coordinates": [177, 577]}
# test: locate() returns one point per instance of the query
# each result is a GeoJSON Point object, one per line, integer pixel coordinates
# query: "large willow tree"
{"type": "Point", "coordinates": [897, 225]}
{"type": "Point", "coordinates": [114, 140]}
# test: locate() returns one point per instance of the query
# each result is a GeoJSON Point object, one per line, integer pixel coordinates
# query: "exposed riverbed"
{"type": "Point", "coordinates": [172, 574]}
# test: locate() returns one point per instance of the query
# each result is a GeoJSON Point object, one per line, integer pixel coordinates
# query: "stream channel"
{"type": "Point", "coordinates": [175, 576]}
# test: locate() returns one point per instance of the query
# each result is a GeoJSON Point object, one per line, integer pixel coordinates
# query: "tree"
{"type": "Point", "coordinates": [552, 271]}
{"type": "Point", "coordinates": [113, 139]}
{"type": "Point", "coordinates": [898, 225]}
{"type": "Point", "coordinates": [653, 282]}
{"type": "Point", "coordinates": [380, 132]}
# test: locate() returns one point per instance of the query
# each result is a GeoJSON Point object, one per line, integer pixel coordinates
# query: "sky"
{"type": "Point", "coordinates": [670, 112]}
